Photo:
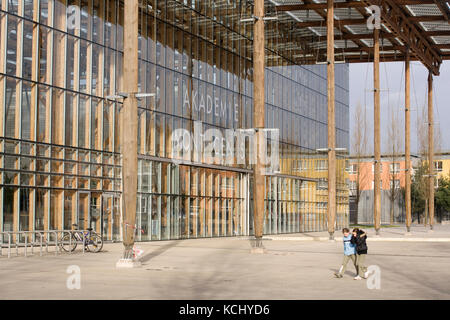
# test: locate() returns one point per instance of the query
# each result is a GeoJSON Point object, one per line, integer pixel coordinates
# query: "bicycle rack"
{"type": "Point", "coordinates": [30, 242]}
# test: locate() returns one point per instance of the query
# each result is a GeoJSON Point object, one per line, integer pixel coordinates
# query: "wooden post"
{"type": "Point", "coordinates": [130, 119]}
{"type": "Point", "coordinates": [377, 144]}
{"type": "Point", "coordinates": [430, 149]}
{"type": "Point", "coordinates": [407, 144]}
{"type": "Point", "coordinates": [331, 208]}
{"type": "Point", "coordinates": [258, 105]}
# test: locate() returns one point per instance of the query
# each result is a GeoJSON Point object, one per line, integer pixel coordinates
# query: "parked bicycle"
{"type": "Point", "coordinates": [93, 242]}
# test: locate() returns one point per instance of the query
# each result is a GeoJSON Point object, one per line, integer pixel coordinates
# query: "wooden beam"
{"type": "Point", "coordinates": [377, 137]}
{"type": "Point", "coordinates": [317, 6]}
{"type": "Point", "coordinates": [331, 209]}
{"type": "Point", "coordinates": [337, 23]}
{"type": "Point", "coordinates": [363, 21]}
{"type": "Point", "coordinates": [442, 5]}
{"type": "Point", "coordinates": [397, 21]}
{"type": "Point", "coordinates": [340, 5]}
{"type": "Point", "coordinates": [431, 170]}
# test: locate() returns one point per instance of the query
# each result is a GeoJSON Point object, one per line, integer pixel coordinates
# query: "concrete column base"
{"type": "Point", "coordinates": [258, 251]}
{"type": "Point", "coordinates": [257, 246]}
{"type": "Point", "coordinates": [128, 263]}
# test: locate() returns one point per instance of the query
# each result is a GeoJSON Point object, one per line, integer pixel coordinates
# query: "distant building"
{"type": "Point", "coordinates": [393, 172]}
{"type": "Point", "coordinates": [442, 165]}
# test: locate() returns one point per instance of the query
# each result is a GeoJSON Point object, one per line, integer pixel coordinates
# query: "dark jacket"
{"type": "Point", "coordinates": [360, 242]}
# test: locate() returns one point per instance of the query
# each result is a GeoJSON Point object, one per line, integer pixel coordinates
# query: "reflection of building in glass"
{"type": "Point", "coordinates": [60, 138]}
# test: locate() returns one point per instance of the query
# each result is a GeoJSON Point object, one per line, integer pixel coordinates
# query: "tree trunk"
{"type": "Point", "coordinates": [392, 211]}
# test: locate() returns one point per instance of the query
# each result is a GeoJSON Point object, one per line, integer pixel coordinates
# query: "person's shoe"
{"type": "Point", "coordinates": [366, 274]}
{"type": "Point", "coordinates": [337, 275]}
{"type": "Point", "coordinates": [357, 278]}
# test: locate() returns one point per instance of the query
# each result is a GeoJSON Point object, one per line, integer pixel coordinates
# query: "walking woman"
{"type": "Point", "coordinates": [359, 239]}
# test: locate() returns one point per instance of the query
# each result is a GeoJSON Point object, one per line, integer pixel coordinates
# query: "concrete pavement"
{"type": "Point", "coordinates": [419, 233]}
{"type": "Point", "coordinates": [224, 269]}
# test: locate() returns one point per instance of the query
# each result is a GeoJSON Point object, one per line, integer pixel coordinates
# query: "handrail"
{"type": "Point", "coordinates": [14, 239]}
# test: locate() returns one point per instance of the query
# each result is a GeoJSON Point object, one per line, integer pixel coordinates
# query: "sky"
{"type": "Point", "coordinates": [392, 86]}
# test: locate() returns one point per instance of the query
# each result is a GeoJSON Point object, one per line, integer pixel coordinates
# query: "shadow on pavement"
{"type": "Point", "coordinates": [159, 251]}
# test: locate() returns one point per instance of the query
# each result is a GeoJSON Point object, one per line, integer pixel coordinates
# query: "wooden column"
{"type": "Point", "coordinates": [217, 203]}
{"type": "Point", "coordinates": [202, 202]}
{"type": "Point", "coordinates": [3, 42]}
{"type": "Point", "coordinates": [407, 143]}
{"type": "Point", "coordinates": [430, 149]}
{"type": "Point", "coordinates": [331, 208]}
{"type": "Point", "coordinates": [130, 122]}
{"type": "Point", "coordinates": [258, 105]}
{"type": "Point", "coordinates": [376, 122]}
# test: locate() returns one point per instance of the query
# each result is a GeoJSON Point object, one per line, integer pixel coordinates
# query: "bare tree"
{"type": "Point", "coordinates": [359, 149]}
{"type": "Point", "coordinates": [395, 147]}
{"type": "Point", "coordinates": [422, 133]}
{"type": "Point", "coordinates": [422, 148]}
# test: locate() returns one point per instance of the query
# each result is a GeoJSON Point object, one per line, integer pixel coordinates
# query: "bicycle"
{"type": "Point", "coordinates": [93, 242]}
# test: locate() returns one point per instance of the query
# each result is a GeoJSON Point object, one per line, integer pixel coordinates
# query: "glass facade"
{"type": "Point", "coordinates": [60, 153]}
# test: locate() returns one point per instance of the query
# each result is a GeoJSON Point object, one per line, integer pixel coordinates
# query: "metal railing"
{"type": "Point", "coordinates": [41, 240]}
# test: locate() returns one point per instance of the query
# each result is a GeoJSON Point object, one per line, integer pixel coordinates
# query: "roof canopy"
{"type": "Point", "coordinates": [418, 28]}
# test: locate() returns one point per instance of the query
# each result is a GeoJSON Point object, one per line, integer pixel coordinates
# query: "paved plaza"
{"type": "Point", "coordinates": [224, 269]}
